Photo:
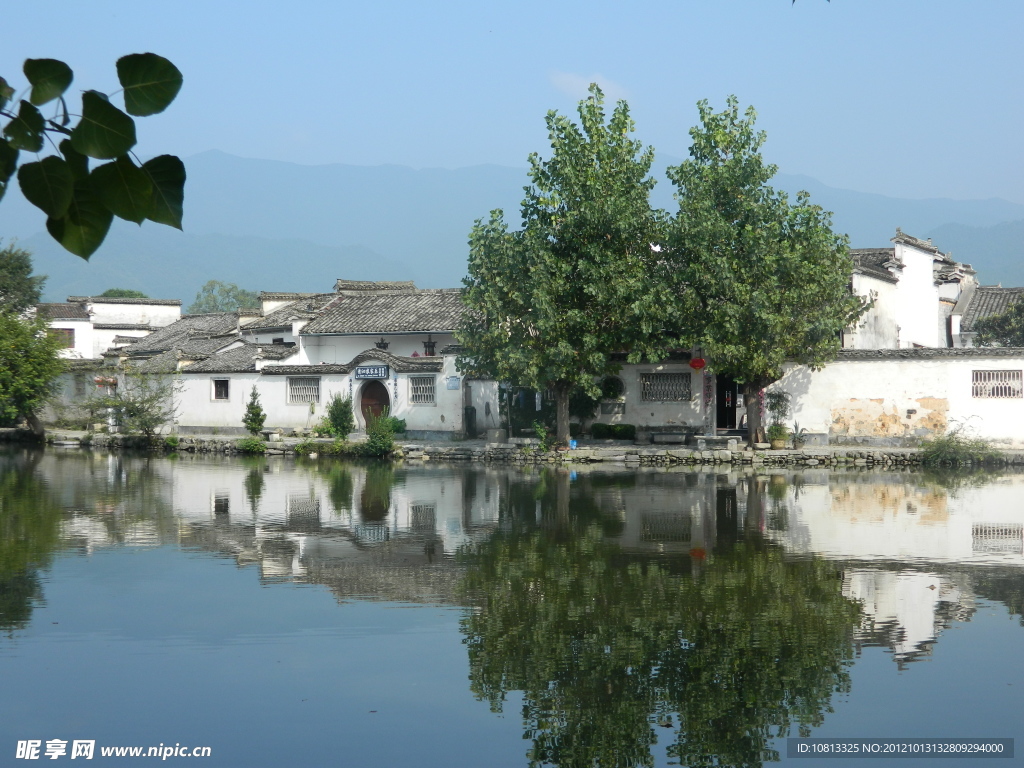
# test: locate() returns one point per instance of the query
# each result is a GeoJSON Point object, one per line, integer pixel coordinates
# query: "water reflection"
{"type": "Point", "coordinates": [712, 612]}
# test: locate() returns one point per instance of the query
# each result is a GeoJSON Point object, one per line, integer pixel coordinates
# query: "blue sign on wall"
{"type": "Point", "coordinates": [372, 372]}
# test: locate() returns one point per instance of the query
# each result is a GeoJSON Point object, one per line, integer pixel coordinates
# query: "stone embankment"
{"type": "Point", "coordinates": [527, 452]}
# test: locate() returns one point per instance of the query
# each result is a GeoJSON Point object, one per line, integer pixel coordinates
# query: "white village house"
{"type": "Point", "coordinates": [908, 370]}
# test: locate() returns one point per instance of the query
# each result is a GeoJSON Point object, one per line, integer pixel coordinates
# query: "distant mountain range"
{"type": "Point", "coordinates": [269, 225]}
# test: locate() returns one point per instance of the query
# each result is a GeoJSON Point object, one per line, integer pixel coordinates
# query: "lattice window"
{"type": "Point", "coordinates": [66, 336]}
{"type": "Point", "coordinates": [221, 388]}
{"type": "Point", "coordinates": [304, 389]}
{"type": "Point", "coordinates": [422, 390]}
{"type": "Point", "coordinates": [997, 384]}
{"type": "Point", "coordinates": [665, 387]}
{"type": "Point", "coordinates": [423, 517]}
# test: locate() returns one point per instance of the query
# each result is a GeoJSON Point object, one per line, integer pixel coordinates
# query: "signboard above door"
{"type": "Point", "coordinates": [373, 371]}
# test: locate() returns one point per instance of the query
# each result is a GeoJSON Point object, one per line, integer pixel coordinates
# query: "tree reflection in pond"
{"type": "Point", "coordinates": [29, 535]}
{"type": "Point", "coordinates": [729, 651]}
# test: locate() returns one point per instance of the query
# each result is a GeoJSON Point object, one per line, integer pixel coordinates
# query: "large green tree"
{"type": "Point", "coordinates": [80, 203]}
{"type": "Point", "coordinates": [216, 296]}
{"type": "Point", "coordinates": [550, 303]}
{"type": "Point", "coordinates": [29, 366]}
{"type": "Point", "coordinates": [761, 281]}
{"type": "Point", "coordinates": [19, 288]}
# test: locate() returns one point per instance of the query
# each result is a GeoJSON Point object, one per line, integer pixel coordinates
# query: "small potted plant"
{"type": "Point", "coordinates": [778, 434]}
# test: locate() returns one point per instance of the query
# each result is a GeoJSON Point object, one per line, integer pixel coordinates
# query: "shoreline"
{"type": "Point", "coordinates": [591, 452]}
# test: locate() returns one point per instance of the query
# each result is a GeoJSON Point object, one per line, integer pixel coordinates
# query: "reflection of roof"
{"type": "Point", "coordinates": [988, 300]}
{"type": "Point", "coordinates": [240, 359]}
{"type": "Point", "coordinates": [302, 309]}
{"type": "Point", "coordinates": [393, 311]}
{"type": "Point", "coordinates": [871, 262]}
{"type": "Point", "coordinates": [69, 311]}
{"type": "Point", "coordinates": [180, 331]}
{"type": "Point", "coordinates": [111, 300]}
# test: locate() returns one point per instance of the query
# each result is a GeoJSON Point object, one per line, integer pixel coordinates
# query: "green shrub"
{"type": "Point", "coordinates": [171, 442]}
{"type": "Point", "coordinates": [380, 436]}
{"type": "Point", "coordinates": [957, 449]}
{"type": "Point", "coordinates": [255, 416]}
{"type": "Point", "coordinates": [397, 425]}
{"type": "Point", "coordinates": [613, 431]}
{"type": "Point", "coordinates": [305, 447]}
{"type": "Point", "coordinates": [575, 429]}
{"type": "Point", "coordinates": [339, 419]}
{"type": "Point", "coordinates": [251, 445]}
{"type": "Point", "coordinates": [777, 432]}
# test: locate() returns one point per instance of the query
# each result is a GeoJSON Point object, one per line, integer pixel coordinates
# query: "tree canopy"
{"type": "Point", "coordinates": [216, 296]}
{"type": "Point", "coordinates": [122, 293]}
{"type": "Point", "coordinates": [759, 281]}
{"type": "Point", "coordinates": [80, 202]}
{"type": "Point", "coordinates": [549, 304]}
{"type": "Point", "coordinates": [1002, 330]}
{"type": "Point", "coordinates": [19, 288]}
{"type": "Point", "coordinates": [29, 365]}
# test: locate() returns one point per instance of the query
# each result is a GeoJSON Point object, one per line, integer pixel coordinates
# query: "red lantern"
{"type": "Point", "coordinates": [697, 363]}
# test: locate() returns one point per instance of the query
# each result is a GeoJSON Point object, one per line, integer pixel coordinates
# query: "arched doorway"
{"type": "Point", "coordinates": [373, 399]}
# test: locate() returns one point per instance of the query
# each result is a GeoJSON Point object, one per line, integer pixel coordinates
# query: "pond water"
{"type": "Point", "coordinates": [286, 612]}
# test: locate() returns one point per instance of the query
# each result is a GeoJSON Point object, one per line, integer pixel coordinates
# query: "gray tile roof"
{"type": "Point", "coordinates": [110, 300]}
{"type": "Point", "coordinates": [122, 326]}
{"type": "Point", "coordinates": [926, 353]}
{"type": "Point", "coordinates": [303, 309]}
{"type": "Point", "coordinates": [398, 364]}
{"type": "Point", "coordinates": [187, 328]}
{"type": "Point", "coordinates": [69, 311]}
{"type": "Point", "coordinates": [240, 359]}
{"type": "Point", "coordinates": [391, 312]}
{"type": "Point", "coordinates": [379, 286]}
{"type": "Point", "coordinates": [871, 261]}
{"type": "Point", "coordinates": [988, 300]}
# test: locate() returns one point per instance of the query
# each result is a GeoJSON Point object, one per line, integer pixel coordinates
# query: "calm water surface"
{"type": "Point", "coordinates": [303, 613]}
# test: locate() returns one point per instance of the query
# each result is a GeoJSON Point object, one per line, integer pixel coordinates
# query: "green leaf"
{"type": "Point", "coordinates": [123, 188]}
{"type": "Point", "coordinates": [49, 79]}
{"type": "Point", "coordinates": [77, 162]}
{"type": "Point", "coordinates": [150, 83]}
{"type": "Point", "coordinates": [167, 173]}
{"type": "Point", "coordinates": [8, 163]}
{"type": "Point", "coordinates": [81, 230]}
{"type": "Point", "coordinates": [48, 185]}
{"type": "Point", "coordinates": [104, 132]}
{"type": "Point", "coordinates": [26, 130]}
{"type": "Point", "coordinates": [5, 93]}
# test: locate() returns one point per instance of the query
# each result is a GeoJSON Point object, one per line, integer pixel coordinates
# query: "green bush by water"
{"type": "Point", "coordinates": [251, 445]}
{"type": "Point", "coordinates": [957, 449]}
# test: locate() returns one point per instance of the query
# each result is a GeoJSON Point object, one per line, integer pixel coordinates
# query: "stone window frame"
{"type": "Point", "coordinates": [1006, 384]}
{"type": "Point", "coordinates": [220, 383]}
{"type": "Point", "coordinates": [431, 394]}
{"type": "Point", "coordinates": [653, 383]}
{"type": "Point", "coordinates": [296, 396]}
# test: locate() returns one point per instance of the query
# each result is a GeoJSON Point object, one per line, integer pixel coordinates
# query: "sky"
{"type": "Point", "coordinates": [908, 98]}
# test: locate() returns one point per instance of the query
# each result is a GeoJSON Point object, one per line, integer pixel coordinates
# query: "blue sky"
{"type": "Point", "coordinates": [910, 98]}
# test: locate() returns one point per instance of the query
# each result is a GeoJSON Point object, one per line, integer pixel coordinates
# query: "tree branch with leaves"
{"type": "Point", "coordinates": [80, 202]}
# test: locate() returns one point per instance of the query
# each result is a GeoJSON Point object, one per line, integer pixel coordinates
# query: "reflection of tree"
{"type": "Point", "coordinates": [29, 534]}
{"type": "Point", "coordinates": [375, 500]}
{"type": "Point", "coordinates": [603, 648]}
{"type": "Point", "coordinates": [254, 484]}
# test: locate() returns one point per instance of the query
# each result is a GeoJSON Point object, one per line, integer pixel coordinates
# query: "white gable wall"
{"type": "Point", "coordinates": [917, 299]}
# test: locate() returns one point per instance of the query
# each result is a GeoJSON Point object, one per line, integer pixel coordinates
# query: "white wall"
{"type": "Point", "coordinates": [85, 338]}
{"type": "Point", "coordinates": [877, 327]}
{"type": "Point", "coordinates": [157, 315]}
{"type": "Point", "coordinates": [341, 349]}
{"type": "Point", "coordinates": [894, 400]}
{"type": "Point", "coordinates": [642, 413]}
{"type": "Point", "coordinates": [917, 299]}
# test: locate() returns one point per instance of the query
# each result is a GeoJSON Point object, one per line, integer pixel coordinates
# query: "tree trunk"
{"type": "Point", "coordinates": [562, 413]}
{"type": "Point", "coordinates": [752, 402]}
{"type": "Point", "coordinates": [35, 425]}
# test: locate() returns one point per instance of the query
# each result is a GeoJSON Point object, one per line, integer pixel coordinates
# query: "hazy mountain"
{"type": "Point", "coordinates": [997, 252]}
{"type": "Point", "coordinates": [269, 225]}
